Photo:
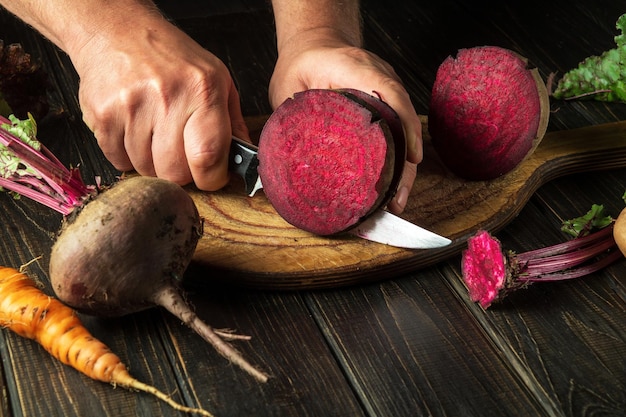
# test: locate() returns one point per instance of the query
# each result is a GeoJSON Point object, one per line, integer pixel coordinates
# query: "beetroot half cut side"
{"type": "Point", "coordinates": [489, 110]}
{"type": "Point", "coordinates": [326, 160]}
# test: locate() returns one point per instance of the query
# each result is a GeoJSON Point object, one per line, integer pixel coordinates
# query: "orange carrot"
{"type": "Point", "coordinates": [27, 311]}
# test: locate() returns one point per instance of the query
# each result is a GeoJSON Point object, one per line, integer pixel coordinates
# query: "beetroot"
{"type": "Point", "coordinates": [148, 226]}
{"type": "Point", "coordinates": [122, 248]}
{"type": "Point", "coordinates": [329, 158]}
{"type": "Point", "coordinates": [488, 112]}
{"type": "Point", "coordinates": [126, 250]}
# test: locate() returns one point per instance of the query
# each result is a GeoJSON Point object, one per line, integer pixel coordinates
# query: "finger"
{"type": "Point", "coordinates": [110, 135]}
{"type": "Point", "coordinates": [168, 153]}
{"type": "Point", "coordinates": [400, 199]}
{"type": "Point", "coordinates": [139, 150]}
{"type": "Point", "coordinates": [112, 146]}
{"type": "Point", "coordinates": [412, 126]}
{"type": "Point", "coordinates": [108, 131]}
{"type": "Point", "coordinates": [138, 139]}
{"type": "Point", "coordinates": [207, 136]}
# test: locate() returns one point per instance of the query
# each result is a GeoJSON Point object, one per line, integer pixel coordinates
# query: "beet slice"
{"type": "Point", "coordinates": [488, 112]}
{"type": "Point", "coordinates": [327, 159]}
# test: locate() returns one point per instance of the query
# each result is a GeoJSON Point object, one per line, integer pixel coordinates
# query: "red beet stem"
{"type": "Point", "coordinates": [567, 246]}
{"type": "Point", "coordinates": [562, 257]}
{"type": "Point", "coordinates": [605, 261]}
{"type": "Point", "coordinates": [48, 182]}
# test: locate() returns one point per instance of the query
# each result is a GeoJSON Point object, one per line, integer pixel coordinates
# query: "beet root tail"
{"type": "Point", "coordinates": [173, 301]}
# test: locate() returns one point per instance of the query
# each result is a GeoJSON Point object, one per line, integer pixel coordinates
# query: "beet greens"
{"type": "Point", "coordinates": [601, 77]}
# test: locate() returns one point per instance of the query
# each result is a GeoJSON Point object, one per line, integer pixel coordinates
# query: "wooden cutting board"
{"type": "Point", "coordinates": [247, 243]}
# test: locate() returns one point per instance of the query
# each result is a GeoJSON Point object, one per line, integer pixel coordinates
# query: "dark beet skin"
{"type": "Point", "coordinates": [133, 239]}
{"type": "Point", "coordinates": [327, 160]}
{"type": "Point", "coordinates": [488, 112]}
{"type": "Point", "coordinates": [127, 250]}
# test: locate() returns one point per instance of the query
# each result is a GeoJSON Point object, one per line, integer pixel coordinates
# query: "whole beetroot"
{"type": "Point", "coordinates": [122, 248]}
{"type": "Point", "coordinates": [329, 158]}
{"type": "Point", "coordinates": [126, 250]}
{"type": "Point", "coordinates": [488, 112]}
{"type": "Point", "coordinates": [146, 226]}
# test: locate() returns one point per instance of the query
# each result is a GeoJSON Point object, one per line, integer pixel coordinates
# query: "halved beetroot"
{"type": "Point", "coordinates": [328, 158]}
{"type": "Point", "coordinates": [488, 112]}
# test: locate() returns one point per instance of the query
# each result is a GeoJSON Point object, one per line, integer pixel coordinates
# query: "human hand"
{"type": "Point", "coordinates": [318, 59]}
{"type": "Point", "coordinates": [159, 103]}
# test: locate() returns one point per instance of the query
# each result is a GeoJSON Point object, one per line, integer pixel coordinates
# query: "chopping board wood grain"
{"type": "Point", "coordinates": [245, 242]}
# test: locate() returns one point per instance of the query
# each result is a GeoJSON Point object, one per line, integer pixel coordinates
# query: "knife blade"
{"type": "Point", "coordinates": [381, 226]}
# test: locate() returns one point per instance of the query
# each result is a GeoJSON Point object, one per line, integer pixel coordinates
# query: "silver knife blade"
{"type": "Point", "coordinates": [384, 227]}
{"type": "Point", "coordinates": [381, 226]}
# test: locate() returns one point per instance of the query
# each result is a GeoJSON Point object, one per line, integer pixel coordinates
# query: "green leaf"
{"type": "Point", "coordinates": [602, 78]}
{"type": "Point", "coordinates": [26, 131]}
{"type": "Point", "coordinates": [620, 40]}
{"type": "Point", "coordinates": [595, 218]}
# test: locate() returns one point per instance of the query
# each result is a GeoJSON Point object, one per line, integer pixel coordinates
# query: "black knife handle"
{"type": "Point", "coordinates": [243, 161]}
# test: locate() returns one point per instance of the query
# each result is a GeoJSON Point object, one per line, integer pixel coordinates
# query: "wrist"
{"type": "Point", "coordinates": [108, 31]}
{"type": "Point", "coordinates": [325, 36]}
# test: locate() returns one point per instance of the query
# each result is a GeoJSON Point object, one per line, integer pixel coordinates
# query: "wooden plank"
{"type": "Point", "coordinates": [170, 356]}
{"type": "Point", "coordinates": [245, 42]}
{"type": "Point", "coordinates": [44, 386]}
{"type": "Point", "coordinates": [412, 350]}
{"type": "Point", "coordinates": [182, 9]}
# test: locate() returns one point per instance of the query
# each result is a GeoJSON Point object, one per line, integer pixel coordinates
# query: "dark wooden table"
{"type": "Point", "coordinates": [404, 346]}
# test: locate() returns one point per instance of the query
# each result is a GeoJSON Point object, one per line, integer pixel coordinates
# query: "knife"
{"type": "Point", "coordinates": [381, 226]}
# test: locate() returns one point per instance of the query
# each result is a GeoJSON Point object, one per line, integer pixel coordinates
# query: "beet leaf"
{"type": "Point", "coordinates": [595, 218]}
{"type": "Point", "coordinates": [602, 77]}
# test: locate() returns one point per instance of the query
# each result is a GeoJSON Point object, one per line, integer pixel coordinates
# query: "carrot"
{"type": "Point", "coordinates": [30, 313]}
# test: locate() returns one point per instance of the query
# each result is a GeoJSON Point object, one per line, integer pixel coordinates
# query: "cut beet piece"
{"type": "Point", "coordinates": [327, 160]}
{"type": "Point", "coordinates": [488, 112]}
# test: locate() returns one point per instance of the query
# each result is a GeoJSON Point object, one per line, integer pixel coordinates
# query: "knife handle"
{"type": "Point", "coordinates": [243, 161]}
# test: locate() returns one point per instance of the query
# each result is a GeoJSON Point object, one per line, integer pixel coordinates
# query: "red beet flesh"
{"type": "Point", "coordinates": [328, 158]}
{"type": "Point", "coordinates": [488, 112]}
{"type": "Point", "coordinates": [484, 268]}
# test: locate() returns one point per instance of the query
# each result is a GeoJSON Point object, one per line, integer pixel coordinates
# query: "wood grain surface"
{"type": "Point", "coordinates": [250, 244]}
